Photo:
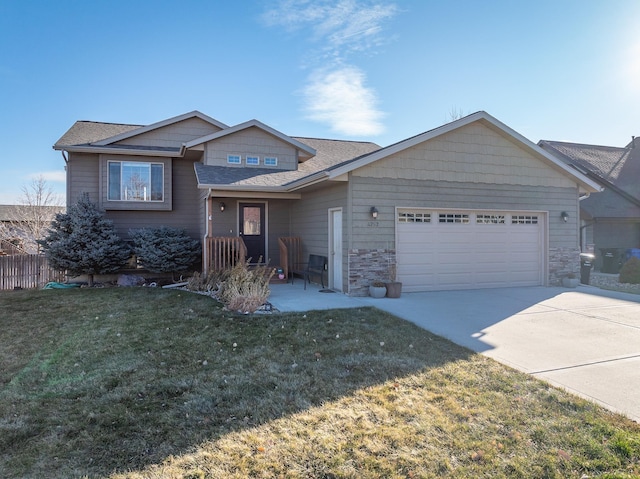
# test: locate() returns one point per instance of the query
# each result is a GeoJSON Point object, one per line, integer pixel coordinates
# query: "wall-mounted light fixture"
{"type": "Point", "coordinates": [222, 206]}
{"type": "Point", "coordinates": [565, 216]}
{"type": "Point", "coordinates": [374, 212]}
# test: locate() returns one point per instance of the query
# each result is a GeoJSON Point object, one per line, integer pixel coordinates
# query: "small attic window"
{"type": "Point", "coordinates": [270, 161]}
{"type": "Point", "coordinates": [234, 159]}
{"type": "Point", "coordinates": [253, 160]}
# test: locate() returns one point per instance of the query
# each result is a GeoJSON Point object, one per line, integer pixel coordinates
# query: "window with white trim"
{"type": "Point", "coordinates": [490, 219]}
{"type": "Point", "coordinates": [135, 181]}
{"type": "Point", "coordinates": [234, 159]}
{"type": "Point", "coordinates": [460, 218]}
{"type": "Point", "coordinates": [524, 220]}
{"type": "Point", "coordinates": [253, 160]}
{"type": "Point", "coordinates": [270, 161]}
{"type": "Point", "coordinates": [413, 217]}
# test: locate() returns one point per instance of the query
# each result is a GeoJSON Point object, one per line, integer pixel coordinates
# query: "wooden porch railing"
{"type": "Point", "coordinates": [225, 252]}
{"type": "Point", "coordinates": [290, 254]}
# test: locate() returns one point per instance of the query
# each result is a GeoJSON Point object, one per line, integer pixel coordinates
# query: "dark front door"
{"type": "Point", "coordinates": [251, 229]}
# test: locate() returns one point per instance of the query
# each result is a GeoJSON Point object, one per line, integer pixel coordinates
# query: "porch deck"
{"type": "Point", "coordinates": [293, 297]}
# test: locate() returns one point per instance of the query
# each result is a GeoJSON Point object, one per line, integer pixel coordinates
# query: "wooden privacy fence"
{"type": "Point", "coordinates": [26, 271]}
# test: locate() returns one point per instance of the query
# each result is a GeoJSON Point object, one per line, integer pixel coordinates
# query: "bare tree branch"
{"type": "Point", "coordinates": [29, 220]}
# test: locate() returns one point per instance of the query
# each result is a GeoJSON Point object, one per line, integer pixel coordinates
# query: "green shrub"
{"type": "Point", "coordinates": [165, 249]}
{"type": "Point", "coordinates": [630, 272]}
{"type": "Point", "coordinates": [83, 241]}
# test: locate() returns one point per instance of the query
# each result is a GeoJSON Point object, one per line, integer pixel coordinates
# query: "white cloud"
{"type": "Point", "coordinates": [343, 27]}
{"type": "Point", "coordinates": [340, 99]}
{"type": "Point", "coordinates": [336, 93]}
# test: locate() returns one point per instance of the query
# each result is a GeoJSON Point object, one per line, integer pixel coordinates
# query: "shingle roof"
{"type": "Point", "coordinates": [85, 132]}
{"type": "Point", "coordinates": [619, 167]}
{"type": "Point", "coordinates": [329, 154]}
{"type": "Point", "coordinates": [8, 212]}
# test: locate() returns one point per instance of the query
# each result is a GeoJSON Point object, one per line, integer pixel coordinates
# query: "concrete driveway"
{"type": "Point", "coordinates": [585, 340]}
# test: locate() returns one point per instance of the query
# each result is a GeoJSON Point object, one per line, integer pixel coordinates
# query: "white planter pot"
{"type": "Point", "coordinates": [377, 291]}
{"type": "Point", "coordinates": [570, 282]}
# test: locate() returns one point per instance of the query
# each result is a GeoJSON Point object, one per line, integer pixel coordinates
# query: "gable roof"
{"type": "Point", "coordinates": [87, 132]}
{"type": "Point", "coordinates": [586, 184]}
{"type": "Point", "coordinates": [97, 137]}
{"type": "Point", "coordinates": [329, 153]}
{"type": "Point", "coordinates": [160, 124]}
{"type": "Point", "coordinates": [306, 151]}
{"type": "Point", "coordinates": [336, 158]}
{"type": "Point", "coordinates": [613, 167]}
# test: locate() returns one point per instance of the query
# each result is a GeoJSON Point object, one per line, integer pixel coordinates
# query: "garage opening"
{"type": "Point", "coordinates": [463, 249]}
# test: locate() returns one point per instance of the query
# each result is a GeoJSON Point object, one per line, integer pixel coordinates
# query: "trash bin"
{"type": "Point", "coordinates": [610, 260]}
{"type": "Point", "coordinates": [586, 263]}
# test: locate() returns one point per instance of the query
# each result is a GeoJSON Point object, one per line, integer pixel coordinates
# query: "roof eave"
{"type": "Point", "coordinates": [248, 124]}
{"type": "Point", "coordinates": [160, 124]}
{"type": "Point", "coordinates": [584, 182]}
{"type": "Point", "coordinates": [120, 151]}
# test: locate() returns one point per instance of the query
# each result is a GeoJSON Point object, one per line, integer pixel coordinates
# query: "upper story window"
{"type": "Point", "coordinates": [135, 181]}
{"type": "Point", "coordinates": [234, 159]}
{"type": "Point", "coordinates": [270, 161]}
{"type": "Point", "coordinates": [253, 160]}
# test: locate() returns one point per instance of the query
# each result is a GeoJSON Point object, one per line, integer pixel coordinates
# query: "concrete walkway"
{"type": "Point", "coordinates": [585, 340]}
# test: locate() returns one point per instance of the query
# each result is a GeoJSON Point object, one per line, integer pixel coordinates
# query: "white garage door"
{"type": "Point", "coordinates": [444, 249]}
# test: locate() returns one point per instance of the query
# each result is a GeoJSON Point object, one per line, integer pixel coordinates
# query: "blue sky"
{"type": "Point", "coordinates": [566, 70]}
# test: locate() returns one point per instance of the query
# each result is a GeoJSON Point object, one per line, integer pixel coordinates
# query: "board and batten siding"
{"type": "Point", "coordinates": [173, 136]}
{"type": "Point", "coordinates": [254, 142]}
{"type": "Point", "coordinates": [310, 221]}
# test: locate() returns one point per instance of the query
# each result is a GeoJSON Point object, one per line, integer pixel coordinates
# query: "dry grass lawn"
{"type": "Point", "coordinates": [149, 383]}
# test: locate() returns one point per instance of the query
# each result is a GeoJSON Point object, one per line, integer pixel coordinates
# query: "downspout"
{"type": "Point", "coordinates": [205, 251]}
{"type": "Point", "coordinates": [66, 170]}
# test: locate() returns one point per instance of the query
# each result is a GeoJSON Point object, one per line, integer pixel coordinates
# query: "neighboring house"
{"type": "Point", "coordinates": [470, 204]}
{"type": "Point", "coordinates": [610, 220]}
{"type": "Point", "coordinates": [20, 225]}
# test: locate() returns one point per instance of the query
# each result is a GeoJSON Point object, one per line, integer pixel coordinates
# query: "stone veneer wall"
{"type": "Point", "coordinates": [366, 266]}
{"type": "Point", "coordinates": [563, 261]}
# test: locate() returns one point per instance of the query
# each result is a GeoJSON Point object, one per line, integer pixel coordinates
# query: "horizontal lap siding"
{"type": "Point", "coordinates": [278, 214]}
{"type": "Point", "coordinates": [185, 212]}
{"type": "Point", "coordinates": [82, 176]}
{"type": "Point", "coordinates": [173, 136]}
{"type": "Point", "coordinates": [310, 220]}
{"type": "Point", "coordinates": [253, 142]}
{"type": "Point", "coordinates": [386, 194]}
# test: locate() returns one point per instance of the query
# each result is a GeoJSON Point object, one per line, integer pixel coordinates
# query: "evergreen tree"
{"type": "Point", "coordinates": [165, 249]}
{"type": "Point", "coordinates": [83, 241]}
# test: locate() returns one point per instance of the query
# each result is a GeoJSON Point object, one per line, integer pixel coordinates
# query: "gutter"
{"type": "Point", "coordinates": [122, 151]}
